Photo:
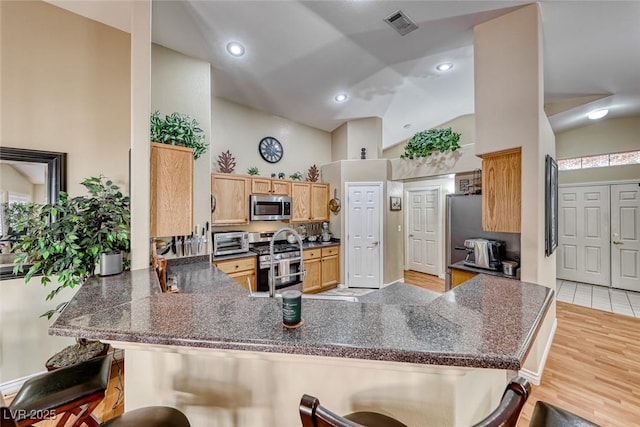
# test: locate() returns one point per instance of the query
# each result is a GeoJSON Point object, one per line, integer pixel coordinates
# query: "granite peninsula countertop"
{"type": "Point", "coordinates": [489, 322]}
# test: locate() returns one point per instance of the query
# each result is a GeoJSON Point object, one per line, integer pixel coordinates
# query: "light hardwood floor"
{"type": "Point", "coordinates": [426, 281]}
{"type": "Point", "coordinates": [593, 369]}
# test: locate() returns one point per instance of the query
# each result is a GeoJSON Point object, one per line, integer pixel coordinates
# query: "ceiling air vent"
{"type": "Point", "coordinates": [401, 22]}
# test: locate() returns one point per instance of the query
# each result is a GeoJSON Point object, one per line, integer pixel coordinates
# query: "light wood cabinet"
{"type": "Point", "coordinates": [171, 185]}
{"type": "Point", "coordinates": [242, 270]}
{"type": "Point", "coordinates": [312, 263]}
{"type": "Point", "coordinates": [330, 267]}
{"type": "Point", "coordinates": [501, 191]}
{"type": "Point", "coordinates": [323, 268]}
{"type": "Point", "coordinates": [230, 196]}
{"type": "Point", "coordinates": [276, 187]}
{"type": "Point", "coordinates": [458, 277]}
{"type": "Point", "coordinates": [310, 201]}
{"type": "Point", "coordinates": [300, 199]}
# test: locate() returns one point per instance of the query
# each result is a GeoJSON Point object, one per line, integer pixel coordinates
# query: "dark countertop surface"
{"type": "Point", "coordinates": [461, 266]}
{"type": "Point", "coordinates": [488, 322]}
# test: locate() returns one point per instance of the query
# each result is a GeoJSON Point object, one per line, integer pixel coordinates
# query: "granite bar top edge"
{"type": "Point", "coordinates": [63, 326]}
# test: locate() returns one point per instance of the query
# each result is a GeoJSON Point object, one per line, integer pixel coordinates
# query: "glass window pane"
{"type": "Point", "coordinates": [568, 164]}
{"type": "Point", "coordinates": [628, 158]}
{"type": "Point", "coordinates": [595, 161]}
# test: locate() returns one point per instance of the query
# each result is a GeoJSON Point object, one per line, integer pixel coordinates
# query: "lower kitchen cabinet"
{"type": "Point", "coordinates": [242, 270]}
{"type": "Point", "coordinates": [323, 268]}
{"type": "Point", "coordinates": [330, 267]}
{"type": "Point", "coordinates": [458, 277]}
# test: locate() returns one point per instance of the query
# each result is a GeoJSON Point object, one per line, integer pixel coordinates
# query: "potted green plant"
{"type": "Point", "coordinates": [425, 143]}
{"type": "Point", "coordinates": [178, 129]}
{"type": "Point", "coordinates": [66, 238]}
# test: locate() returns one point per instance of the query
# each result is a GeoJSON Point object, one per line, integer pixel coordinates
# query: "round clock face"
{"type": "Point", "coordinates": [270, 149]}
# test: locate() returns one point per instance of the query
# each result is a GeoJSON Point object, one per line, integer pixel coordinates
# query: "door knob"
{"type": "Point", "coordinates": [376, 243]}
{"type": "Point", "coordinates": [617, 242]}
{"type": "Point", "coordinates": [410, 235]}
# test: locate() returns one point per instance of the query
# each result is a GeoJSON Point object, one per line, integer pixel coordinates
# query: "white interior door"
{"type": "Point", "coordinates": [625, 236]}
{"type": "Point", "coordinates": [423, 252]}
{"type": "Point", "coordinates": [364, 235]}
{"type": "Point", "coordinates": [584, 248]}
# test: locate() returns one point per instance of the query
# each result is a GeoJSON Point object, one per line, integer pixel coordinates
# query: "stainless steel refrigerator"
{"type": "Point", "coordinates": [464, 221]}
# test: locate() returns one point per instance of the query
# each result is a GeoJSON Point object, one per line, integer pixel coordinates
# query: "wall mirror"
{"type": "Point", "coordinates": [26, 176]}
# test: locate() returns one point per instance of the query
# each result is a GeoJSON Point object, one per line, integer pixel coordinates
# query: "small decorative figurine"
{"type": "Point", "coordinates": [273, 175]}
{"type": "Point", "coordinates": [313, 174]}
{"type": "Point", "coordinates": [281, 175]}
{"type": "Point", "coordinates": [226, 162]}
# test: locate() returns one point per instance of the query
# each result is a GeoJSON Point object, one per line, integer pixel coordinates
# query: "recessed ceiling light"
{"type": "Point", "coordinates": [341, 97]}
{"type": "Point", "coordinates": [235, 49]}
{"type": "Point", "coordinates": [598, 114]}
{"type": "Point", "coordinates": [407, 126]}
{"type": "Point", "coordinates": [444, 67]}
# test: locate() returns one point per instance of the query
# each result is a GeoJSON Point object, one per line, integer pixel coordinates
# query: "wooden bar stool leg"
{"type": "Point", "coordinates": [85, 416]}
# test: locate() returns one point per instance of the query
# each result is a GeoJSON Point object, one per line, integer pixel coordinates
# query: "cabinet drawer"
{"type": "Point", "coordinates": [333, 250]}
{"type": "Point", "coordinates": [235, 265]}
{"type": "Point", "coordinates": [311, 254]}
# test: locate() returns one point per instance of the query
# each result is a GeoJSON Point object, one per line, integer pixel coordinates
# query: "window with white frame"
{"type": "Point", "coordinates": [601, 160]}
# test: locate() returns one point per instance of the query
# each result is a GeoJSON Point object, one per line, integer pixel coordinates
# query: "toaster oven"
{"type": "Point", "coordinates": [230, 242]}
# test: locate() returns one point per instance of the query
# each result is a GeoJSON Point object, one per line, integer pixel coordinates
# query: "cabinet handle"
{"type": "Point", "coordinates": [213, 203]}
{"type": "Point", "coordinates": [237, 266]}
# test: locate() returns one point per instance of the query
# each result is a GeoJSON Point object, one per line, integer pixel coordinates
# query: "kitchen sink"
{"type": "Point", "coordinates": [310, 296]}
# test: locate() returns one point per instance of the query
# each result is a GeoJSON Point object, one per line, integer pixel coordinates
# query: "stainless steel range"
{"type": "Point", "coordinates": [286, 262]}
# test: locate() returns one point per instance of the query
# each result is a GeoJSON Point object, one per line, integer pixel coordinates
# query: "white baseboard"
{"type": "Point", "coordinates": [12, 387]}
{"type": "Point", "coordinates": [535, 377]}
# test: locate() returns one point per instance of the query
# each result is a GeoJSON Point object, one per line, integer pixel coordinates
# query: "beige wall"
{"type": "Point", "coordinates": [183, 84]}
{"type": "Point", "coordinates": [464, 125]}
{"type": "Point", "coordinates": [602, 137]}
{"type": "Point", "coordinates": [239, 129]}
{"type": "Point", "coordinates": [65, 87]}
{"type": "Point", "coordinates": [339, 143]}
{"type": "Point", "coordinates": [509, 113]}
{"type": "Point", "coordinates": [13, 181]}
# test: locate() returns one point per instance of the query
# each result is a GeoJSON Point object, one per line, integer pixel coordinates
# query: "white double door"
{"type": "Point", "coordinates": [599, 235]}
{"type": "Point", "coordinates": [423, 229]}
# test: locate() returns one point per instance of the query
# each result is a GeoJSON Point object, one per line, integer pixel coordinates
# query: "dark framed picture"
{"type": "Point", "coordinates": [395, 203]}
{"type": "Point", "coordinates": [551, 205]}
{"type": "Point", "coordinates": [464, 185]}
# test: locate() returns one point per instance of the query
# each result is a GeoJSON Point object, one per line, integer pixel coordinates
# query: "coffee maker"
{"type": "Point", "coordinates": [484, 253]}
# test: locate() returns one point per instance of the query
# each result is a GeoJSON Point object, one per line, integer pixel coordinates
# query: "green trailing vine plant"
{"type": "Point", "coordinates": [253, 171]}
{"type": "Point", "coordinates": [65, 238]}
{"type": "Point", "coordinates": [178, 129]}
{"type": "Point", "coordinates": [424, 143]}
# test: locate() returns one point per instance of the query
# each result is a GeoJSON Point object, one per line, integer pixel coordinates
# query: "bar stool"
{"type": "Point", "coordinates": [547, 415]}
{"type": "Point", "coordinates": [77, 390]}
{"type": "Point", "coordinates": [506, 414]}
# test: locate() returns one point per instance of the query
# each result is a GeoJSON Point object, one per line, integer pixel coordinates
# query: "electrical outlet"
{"type": "Point", "coordinates": [399, 227]}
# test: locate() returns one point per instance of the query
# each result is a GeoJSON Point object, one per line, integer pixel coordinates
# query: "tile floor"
{"type": "Point", "coordinates": [599, 297]}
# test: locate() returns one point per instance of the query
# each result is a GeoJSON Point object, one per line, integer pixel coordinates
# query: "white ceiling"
{"type": "Point", "coordinates": [301, 53]}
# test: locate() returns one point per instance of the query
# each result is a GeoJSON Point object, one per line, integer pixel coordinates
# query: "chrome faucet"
{"type": "Point", "coordinates": [272, 278]}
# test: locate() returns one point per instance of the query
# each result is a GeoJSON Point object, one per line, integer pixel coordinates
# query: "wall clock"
{"type": "Point", "coordinates": [270, 149]}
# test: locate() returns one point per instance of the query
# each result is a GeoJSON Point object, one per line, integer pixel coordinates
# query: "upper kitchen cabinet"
{"type": "Point", "coordinates": [273, 187]}
{"type": "Point", "coordinates": [230, 199]}
{"type": "Point", "coordinates": [501, 191]}
{"type": "Point", "coordinates": [310, 201]}
{"type": "Point", "coordinates": [171, 190]}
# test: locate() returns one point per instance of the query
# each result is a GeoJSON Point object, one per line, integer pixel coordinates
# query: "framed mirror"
{"type": "Point", "coordinates": [26, 176]}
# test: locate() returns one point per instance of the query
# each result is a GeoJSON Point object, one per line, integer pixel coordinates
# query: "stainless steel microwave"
{"type": "Point", "coordinates": [270, 208]}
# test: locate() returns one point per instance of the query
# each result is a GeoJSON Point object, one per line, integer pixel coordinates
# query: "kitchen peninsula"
{"type": "Point", "coordinates": [224, 358]}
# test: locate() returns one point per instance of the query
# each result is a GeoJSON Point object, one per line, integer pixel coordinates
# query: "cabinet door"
{"type": "Point", "coordinates": [330, 271]}
{"type": "Point", "coordinates": [501, 191]}
{"type": "Point", "coordinates": [171, 187]}
{"type": "Point", "coordinates": [231, 198]}
{"type": "Point", "coordinates": [300, 194]}
{"type": "Point", "coordinates": [260, 186]}
{"type": "Point", "coordinates": [313, 280]}
{"type": "Point", "coordinates": [246, 279]}
{"type": "Point", "coordinates": [320, 202]}
{"type": "Point", "coordinates": [280, 188]}
{"type": "Point", "coordinates": [458, 277]}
